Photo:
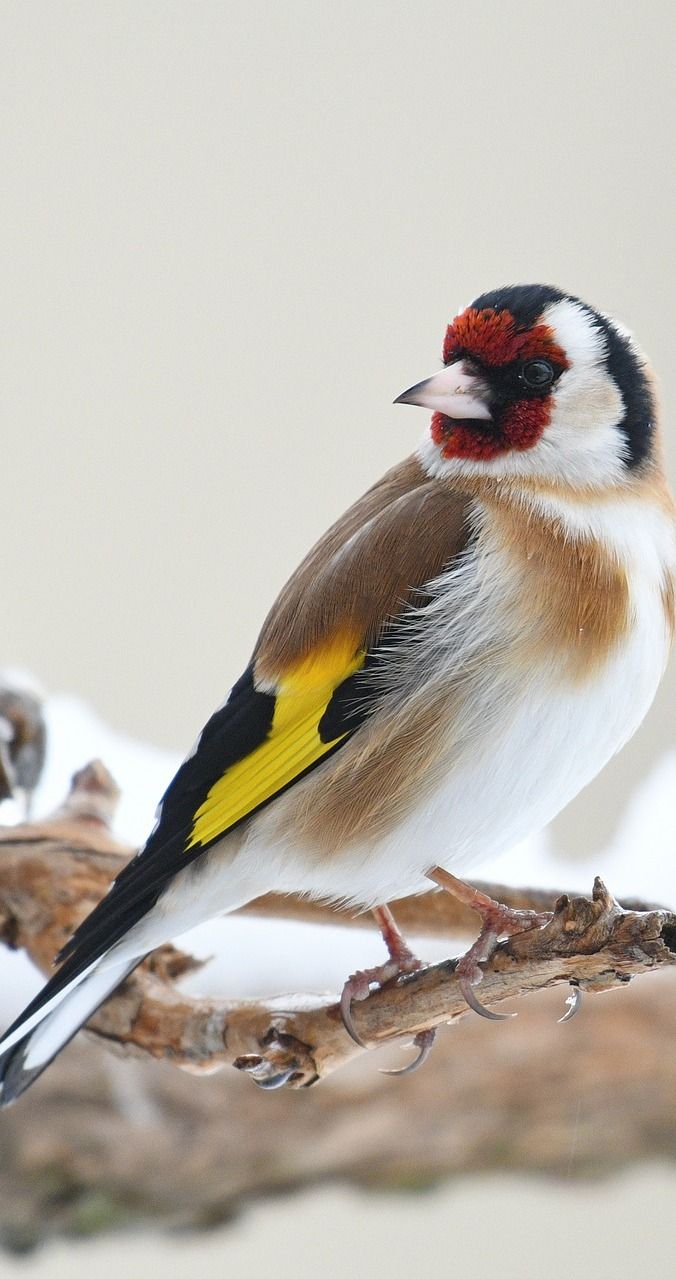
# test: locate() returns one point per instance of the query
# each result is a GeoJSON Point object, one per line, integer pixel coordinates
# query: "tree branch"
{"type": "Point", "coordinates": [53, 872]}
{"type": "Point", "coordinates": [106, 1144]}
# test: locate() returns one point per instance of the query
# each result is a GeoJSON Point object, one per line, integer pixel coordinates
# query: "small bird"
{"type": "Point", "coordinates": [460, 654]}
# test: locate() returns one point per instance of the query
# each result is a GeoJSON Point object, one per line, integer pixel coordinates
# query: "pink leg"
{"type": "Point", "coordinates": [496, 921]}
{"type": "Point", "coordinates": [358, 986]}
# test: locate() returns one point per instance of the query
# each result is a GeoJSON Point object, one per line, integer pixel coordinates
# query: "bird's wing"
{"type": "Point", "coordinates": [301, 697]}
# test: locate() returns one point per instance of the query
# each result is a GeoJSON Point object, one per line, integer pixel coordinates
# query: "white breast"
{"type": "Point", "coordinates": [528, 740]}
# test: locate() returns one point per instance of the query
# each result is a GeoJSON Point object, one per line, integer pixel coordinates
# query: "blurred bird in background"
{"type": "Point", "coordinates": [456, 658]}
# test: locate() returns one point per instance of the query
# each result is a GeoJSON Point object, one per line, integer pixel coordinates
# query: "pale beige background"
{"type": "Point", "coordinates": [230, 234]}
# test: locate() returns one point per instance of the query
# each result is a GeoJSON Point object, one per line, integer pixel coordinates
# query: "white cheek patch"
{"type": "Point", "coordinates": [586, 404]}
{"type": "Point", "coordinates": [587, 407]}
{"type": "Point", "coordinates": [575, 331]}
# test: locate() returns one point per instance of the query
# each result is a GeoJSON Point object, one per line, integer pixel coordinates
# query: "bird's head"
{"type": "Point", "coordinates": [537, 383]}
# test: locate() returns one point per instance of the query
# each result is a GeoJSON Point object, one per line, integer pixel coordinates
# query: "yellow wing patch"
{"type": "Point", "coordinates": [292, 745]}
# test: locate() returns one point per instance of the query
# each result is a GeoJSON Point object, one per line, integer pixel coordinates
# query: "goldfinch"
{"type": "Point", "coordinates": [454, 660]}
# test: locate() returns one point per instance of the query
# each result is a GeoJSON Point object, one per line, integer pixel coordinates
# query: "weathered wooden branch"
{"type": "Point", "coordinates": [108, 1142]}
{"type": "Point", "coordinates": [51, 873]}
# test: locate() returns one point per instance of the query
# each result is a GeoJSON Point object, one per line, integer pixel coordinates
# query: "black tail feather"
{"type": "Point", "coordinates": [15, 1074]}
{"type": "Point", "coordinates": [15, 1078]}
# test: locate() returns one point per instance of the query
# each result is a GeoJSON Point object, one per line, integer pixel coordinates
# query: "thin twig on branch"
{"type": "Point", "coordinates": [53, 872]}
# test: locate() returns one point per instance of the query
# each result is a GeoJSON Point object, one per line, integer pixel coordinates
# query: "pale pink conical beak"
{"type": "Point", "coordinates": [453, 391]}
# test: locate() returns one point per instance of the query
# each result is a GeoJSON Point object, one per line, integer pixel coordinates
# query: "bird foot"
{"type": "Point", "coordinates": [423, 1042]}
{"type": "Point", "coordinates": [497, 920]}
{"type": "Point", "coordinates": [358, 986]}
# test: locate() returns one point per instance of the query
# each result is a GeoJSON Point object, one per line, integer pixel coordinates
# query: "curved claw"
{"type": "Point", "coordinates": [275, 1081]}
{"type": "Point", "coordinates": [345, 1006]}
{"type": "Point", "coordinates": [470, 998]}
{"type": "Point", "coordinates": [575, 1001]}
{"type": "Point", "coordinates": [424, 1042]}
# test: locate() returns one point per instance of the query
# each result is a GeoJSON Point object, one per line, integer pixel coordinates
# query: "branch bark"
{"type": "Point", "coordinates": [53, 872]}
{"type": "Point", "coordinates": [111, 1141]}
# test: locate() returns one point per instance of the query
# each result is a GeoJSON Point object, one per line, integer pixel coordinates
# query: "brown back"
{"type": "Point", "coordinates": [366, 568]}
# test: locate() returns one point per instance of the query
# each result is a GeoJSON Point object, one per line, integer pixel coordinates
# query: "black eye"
{"type": "Point", "coordinates": [537, 374]}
